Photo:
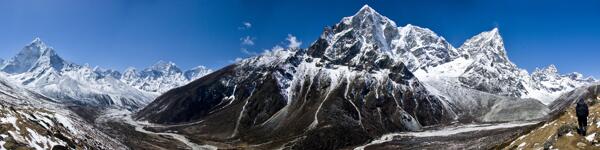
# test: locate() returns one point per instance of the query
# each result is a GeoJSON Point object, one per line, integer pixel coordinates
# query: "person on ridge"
{"type": "Point", "coordinates": [581, 109]}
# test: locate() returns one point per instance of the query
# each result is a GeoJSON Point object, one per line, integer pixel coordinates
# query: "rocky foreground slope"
{"type": "Point", "coordinates": [560, 131]}
{"type": "Point", "coordinates": [29, 120]}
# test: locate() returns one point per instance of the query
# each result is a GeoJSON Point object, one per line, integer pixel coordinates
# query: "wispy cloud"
{"type": "Point", "coordinates": [293, 42]}
{"type": "Point", "coordinates": [276, 48]}
{"type": "Point", "coordinates": [247, 52]}
{"type": "Point", "coordinates": [238, 59]}
{"type": "Point", "coordinates": [245, 25]}
{"type": "Point", "coordinates": [247, 40]}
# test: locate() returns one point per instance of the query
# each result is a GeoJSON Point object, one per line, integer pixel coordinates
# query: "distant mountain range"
{"type": "Point", "coordinates": [39, 68]}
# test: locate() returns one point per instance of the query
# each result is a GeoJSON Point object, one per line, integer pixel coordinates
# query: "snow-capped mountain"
{"type": "Point", "coordinates": [491, 70]}
{"type": "Point", "coordinates": [554, 84]}
{"type": "Point", "coordinates": [35, 56]}
{"type": "Point", "coordinates": [107, 72]}
{"type": "Point", "coordinates": [415, 46]}
{"type": "Point", "coordinates": [483, 65]}
{"type": "Point", "coordinates": [196, 73]}
{"type": "Point", "coordinates": [39, 68]}
{"type": "Point", "coordinates": [480, 61]}
{"type": "Point", "coordinates": [162, 76]}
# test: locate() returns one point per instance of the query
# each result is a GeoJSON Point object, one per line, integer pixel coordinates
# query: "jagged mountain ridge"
{"type": "Point", "coordinates": [483, 65]}
{"type": "Point", "coordinates": [162, 76]}
{"type": "Point", "coordinates": [40, 68]}
{"type": "Point", "coordinates": [554, 84]}
{"type": "Point", "coordinates": [491, 70]}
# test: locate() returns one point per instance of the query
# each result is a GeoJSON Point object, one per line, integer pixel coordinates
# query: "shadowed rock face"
{"type": "Point", "coordinates": [297, 97]}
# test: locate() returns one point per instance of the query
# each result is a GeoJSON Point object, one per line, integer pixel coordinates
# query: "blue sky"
{"type": "Point", "coordinates": [117, 34]}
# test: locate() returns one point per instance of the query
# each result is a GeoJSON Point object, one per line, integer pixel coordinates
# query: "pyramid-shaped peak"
{"type": "Point", "coordinates": [494, 33]}
{"type": "Point", "coordinates": [494, 30]}
{"type": "Point", "coordinates": [36, 55]}
{"type": "Point", "coordinates": [37, 42]}
{"type": "Point", "coordinates": [491, 35]}
{"type": "Point", "coordinates": [368, 17]}
{"type": "Point", "coordinates": [366, 10]}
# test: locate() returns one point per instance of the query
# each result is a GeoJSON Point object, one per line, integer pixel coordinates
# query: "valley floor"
{"type": "Point", "coordinates": [139, 127]}
{"type": "Point", "coordinates": [140, 135]}
{"type": "Point", "coordinates": [120, 125]}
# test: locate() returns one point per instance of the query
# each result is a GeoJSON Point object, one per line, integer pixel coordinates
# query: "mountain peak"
{"type": "Point", "coordinates": [197, 72]}
{"type": "Point", "coordinates": [495, 32]}
{"type": "Point", "coordinates": [370, 27]}
{"type": "Point", "coordinates": [366, 9]}
{"type": "Point", "coordinates": [163, 64]}
{"type": "Point", "coordinates": [167, 67]}
{"type": "Point", "coordinates": [37, 40]}
{"type": "Point", "coordinates": [35, 55]}
{"type": "Point", "coordinates": [552, 68]}
{"type": "Point", "coordinates": [488, 43]}
{"type": "Point", "coordinates": [39, 44]}
{"type": "Point", "coordinates": [546, 74]}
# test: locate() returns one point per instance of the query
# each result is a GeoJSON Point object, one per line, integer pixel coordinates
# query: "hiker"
{"type": "Point", "coordinates": [582, 113]}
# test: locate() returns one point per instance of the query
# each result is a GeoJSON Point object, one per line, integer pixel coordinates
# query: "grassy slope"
{"type": "Point", "coordinates": [548, 135]}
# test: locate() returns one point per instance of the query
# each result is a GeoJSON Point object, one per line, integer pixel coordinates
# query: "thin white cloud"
{"type": "Point", "coordinates": [293, 41]}
{"type": "Point", "coordinates": [236, 60]}
{"type": "Point", "coordinates": [274, 49]}
{"type": "Point", "coordinates": [247, 40]}
{"type": "Point", "coordinates": [245, 25]}
{"type": "Point", "coordinates": [245, 51]}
